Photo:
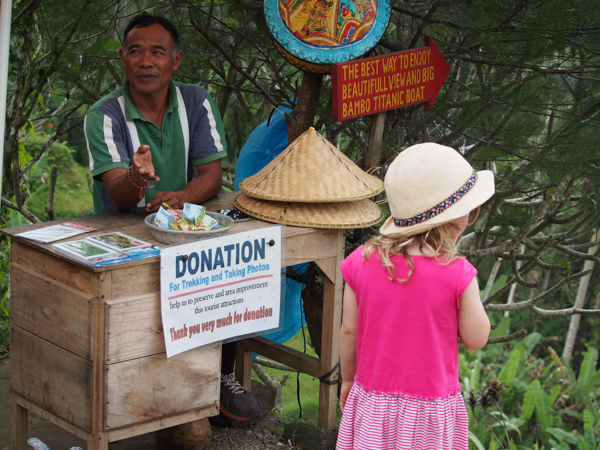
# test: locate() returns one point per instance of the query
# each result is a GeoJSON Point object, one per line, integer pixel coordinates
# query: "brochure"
{"type": "Point", "coordinates": [56, 232]}
{"type": "Point", "coordinates": [118, 241]}
{"type": "Point", "coordinates": [105, 249]}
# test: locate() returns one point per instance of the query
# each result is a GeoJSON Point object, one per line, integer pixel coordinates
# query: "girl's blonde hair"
{"type": "Point", "coordinates": [437, 240]}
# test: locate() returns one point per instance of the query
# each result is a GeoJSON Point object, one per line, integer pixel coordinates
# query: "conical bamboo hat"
{"type": "Point", "coordinates": [309, 170]}
{"type": "Point", "coordinates": [357, 214]}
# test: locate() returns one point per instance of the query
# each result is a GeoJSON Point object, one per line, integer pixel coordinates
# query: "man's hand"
{"type": "Point", "coordinates": [173, 199]}
{"type": "Point", "coordinates": [142, 161]}
{"type": "Point", "coordinates": [206, 185]}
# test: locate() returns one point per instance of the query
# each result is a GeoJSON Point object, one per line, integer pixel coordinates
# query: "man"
{"type": "Point", "coordinates": [145, 139]}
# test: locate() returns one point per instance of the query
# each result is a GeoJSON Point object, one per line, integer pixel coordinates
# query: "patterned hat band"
{"type": "Point", "coordinates": [441, 207]}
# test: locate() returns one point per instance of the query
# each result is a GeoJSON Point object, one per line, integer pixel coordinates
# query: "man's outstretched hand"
{"type": "Point", "coordinates": [142, 160]}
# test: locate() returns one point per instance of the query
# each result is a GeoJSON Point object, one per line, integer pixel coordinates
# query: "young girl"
{"type": "Point", "coordinates": [409, 296]}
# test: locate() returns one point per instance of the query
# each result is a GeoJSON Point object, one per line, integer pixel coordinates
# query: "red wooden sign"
{"type": "Point", "coordinates": [382, 83]}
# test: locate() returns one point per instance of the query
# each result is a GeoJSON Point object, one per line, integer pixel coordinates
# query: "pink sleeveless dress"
{"type": "Point", "coordinates": [406, 393]}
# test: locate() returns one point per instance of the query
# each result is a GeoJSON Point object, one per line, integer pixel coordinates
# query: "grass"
{"type": "Point", "coordinates": [307, 410]}
{"type": "Point", "coordinates": [72, 196]}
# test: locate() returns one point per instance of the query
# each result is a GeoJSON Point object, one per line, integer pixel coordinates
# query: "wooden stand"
{"type": "Point", "coordinates": [326, 248]}
{"type": "Point", "coordinates": [87, 345]}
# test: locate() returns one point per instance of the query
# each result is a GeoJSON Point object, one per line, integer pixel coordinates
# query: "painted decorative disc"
{"type": "Point", "coordinates": [323, 69]}
{"type": "Point", "coordinates": [327, 31]}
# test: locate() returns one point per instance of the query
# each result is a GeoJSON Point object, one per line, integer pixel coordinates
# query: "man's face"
{"type": "Point", "coordinates": [148, 59]}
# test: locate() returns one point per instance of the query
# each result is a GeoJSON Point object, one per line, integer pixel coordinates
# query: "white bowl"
{"type": "Point", "coordinates": [177, 237]}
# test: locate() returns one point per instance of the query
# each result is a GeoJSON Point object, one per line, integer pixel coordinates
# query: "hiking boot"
{"type": "Point", "coordinates": [237, 403]}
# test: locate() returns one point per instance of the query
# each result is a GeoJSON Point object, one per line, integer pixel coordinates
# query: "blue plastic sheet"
{"type": "Point", "coordinates": [263, 145]}
{"type": "Point", "coordinates": [267, 141]}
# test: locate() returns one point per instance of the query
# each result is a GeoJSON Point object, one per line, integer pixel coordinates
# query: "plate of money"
{"type": "Point", "coordinates": [184, 236]}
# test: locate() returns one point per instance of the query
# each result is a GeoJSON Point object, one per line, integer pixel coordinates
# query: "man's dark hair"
{"type": "Point", "coordinates": [145, 20]}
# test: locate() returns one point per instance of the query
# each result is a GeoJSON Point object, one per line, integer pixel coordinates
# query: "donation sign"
{"type": "Point", "coordinates": [220, 288]}
{"type": "Point", "coordinates": [382, 83]}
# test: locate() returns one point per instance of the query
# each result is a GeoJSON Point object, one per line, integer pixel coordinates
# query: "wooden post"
{"type": "Point", "coordinates": [18, 425]}
{"type": "Point", "coordinates": [373, 158]}
{"type": "Point", "coordinates": [243, 364]}
{"type": "Point", "coordinates": [330, 354]}
{"type": "Point", "coordinates": [98, 439]}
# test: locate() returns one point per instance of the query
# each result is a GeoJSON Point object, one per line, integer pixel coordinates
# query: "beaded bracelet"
{"type": "Point", "coordinates": [141, 188]}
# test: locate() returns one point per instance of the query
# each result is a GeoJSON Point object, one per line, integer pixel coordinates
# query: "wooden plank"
{"type": "Point", "coordinates": [163, 422]}
{"type": "Point", "coordinates": [56, 380]}
{"type": "Point", "coordinates": [134, 328]}
{"type": "Point", "coordinates": [128, 280]}
{"type": "Point", "coordinates": [32, 407]}
{"type": "Point", "coordinates": [243, 364]}
{"type": "Point", "coordinates": [133, 224]}
{"type": "Point", "coordinates": [146, 389]}
{"type": "Point", "coordinates": [301, 248]}
{"type": "Point", "coordinates": [292, 358]}
{"type": "Point", "coordinates": [18, 424]}
{"type": "Point", "coordinates": [51, 310]}
{"type": "Point", "coordinates": [63, 272]}
{"type": "Point", "coordinates": [98, 440]}
{"type": "Point", "coordinates": [328, 266]}
{"type": "Point", "coordinates": [332, 316]}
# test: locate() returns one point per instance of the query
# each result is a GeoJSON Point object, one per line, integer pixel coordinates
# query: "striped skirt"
{"type": "Point", "coordinates": [381, 421]}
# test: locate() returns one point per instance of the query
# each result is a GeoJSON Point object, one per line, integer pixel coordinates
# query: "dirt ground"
{"type": "Point", "coordinates": [263, 435]}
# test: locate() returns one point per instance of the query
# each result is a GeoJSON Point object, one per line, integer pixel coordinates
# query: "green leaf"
{"type": "Point", "coordinates": [476, 441]}
{"type": "Point", "coordinates": [113, 45]}
{"type": "Point", "coordinates": [528, 405]}
{"type": "Point", "coordinates": [549, 368]}
{"type": "Point", "coordinates": [30, 128]}
{"type": "Point", "coordinates": [520, 385]}
{"type": "Point", "coordinates": [510, 423]}
{"type": "Point", "coordinates": [503, 327]}
{"type": "Point", "coordinates": [591, 438]}
{"type": "Point", "coordinates": [554, 394]}
{"type": "Point", "coordinates": [532, 340]}
{"type": "Point", "coordinates": [562, 435]}
{"type": "Point", "coordinates": [564, 263]}
{"type": "Point", "coordinates": [24, 157]}
{"type": "Point", "coordinates": [492, 152]}
{"type": "Point", "coordinates": [511, 368]}
{"type": "Point", "coordinates": [500, 281]}
{"type": "Point", "coordinates": [582, 444]}
{"type": "Point", "coordinates": [474, 376]}
{"type": "Point", "coordinates": [588, 420]}
{"type": "Point", "coordinates": [570, 413]}
{"type": "Point", "coordinates": [103, 46]}
{"type": "Point", "coordinates": [530, 244]}
{"type": "Point", "coordinates": [588, 366]}
{"type": "Point", "coordinates": [543, 411]}
{"type": "Point", "coordinates": [40, 100]}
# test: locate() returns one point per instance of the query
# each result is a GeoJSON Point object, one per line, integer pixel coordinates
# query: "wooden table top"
{"type": "Point", "coordinates": [132, 223]}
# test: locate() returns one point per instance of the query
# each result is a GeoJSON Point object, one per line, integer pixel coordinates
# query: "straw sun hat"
{"type": "Point", "coordinates": [312, 184]}
{"type": "Point", "coordinates": [311, 169]}
{"type": "Point", "coordinates": [428, 185]}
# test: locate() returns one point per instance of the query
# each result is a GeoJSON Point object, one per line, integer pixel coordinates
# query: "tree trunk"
{"type": "Point", "coordinates": [302, 117]}
{"type": "Point", "coordinates": [579, 302]}
{"type": "Point", "coordinates": [373, 157]}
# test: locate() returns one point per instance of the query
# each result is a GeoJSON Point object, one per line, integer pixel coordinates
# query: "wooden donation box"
{"type": "Point", "coordinates": [87, 344]}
